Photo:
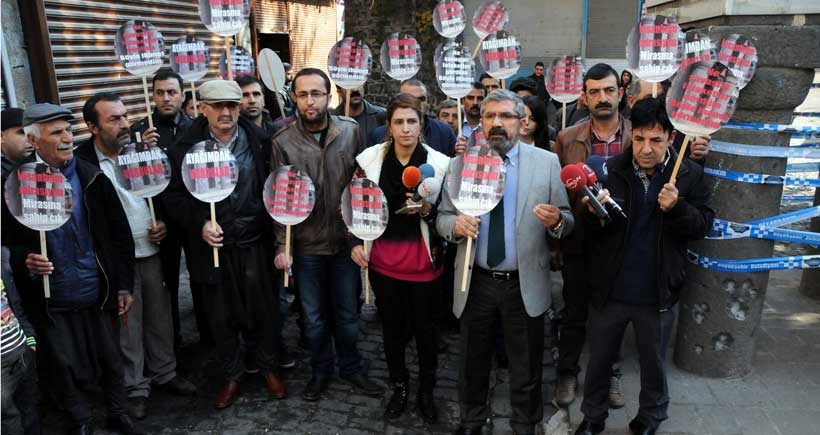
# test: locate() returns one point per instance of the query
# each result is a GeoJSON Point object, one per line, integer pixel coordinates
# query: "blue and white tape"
{"type": "Point", "coordinates": [727, 230]}
{"type": "Point", "coordinates": [763, 150]}
{"type": "Point", "coordinates": [746, 177]}
{"type": "Point", "coordinates": [780, 128]}
{"type": "Point", "coordinates": [803, 167]}
{"type": "Point", "coordinates": [756, 264]}
{"type": "Point", "coordinates": [796, 198]}
{"type": "Point", "coordinates": [788, 218]}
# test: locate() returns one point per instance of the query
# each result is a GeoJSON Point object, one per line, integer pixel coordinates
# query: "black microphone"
{"type": "Point", "coordinates": [598, 166]}
{"type": "Point", "coordinates": [575, 180]}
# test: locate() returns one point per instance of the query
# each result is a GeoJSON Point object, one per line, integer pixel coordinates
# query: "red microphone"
{"type": "Point", "coordinates": [592, 177]}
{"type": "Point", "coordinates": [575, 180]}
{"type": "Point", "coordinates": [411, 177]}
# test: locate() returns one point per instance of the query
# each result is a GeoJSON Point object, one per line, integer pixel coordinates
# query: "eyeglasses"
{"type": "Point", "coordinates": [315, 95]}
{"type": "Point", "coordinates": [221, 105]}
{"type": "Point", "coordinates": [505, 116]}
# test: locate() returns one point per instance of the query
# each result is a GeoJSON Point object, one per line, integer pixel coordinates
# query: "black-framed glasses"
{"type": "Point", "coordinates": [315, 95]}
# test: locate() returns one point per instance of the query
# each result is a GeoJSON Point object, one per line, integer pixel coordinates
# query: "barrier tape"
{"type": "Point", "coordinates": [727, 230]}
{"type": "Point", "coordinates": [756, 264]}
{"type": "Point", "coordinates": [780, 128]}
{"type": "Point", "coordinates": [797, 198]}
{"type": "Point", "coordinates": [763, 150]}
{"type": "Point", "coordinates": [803, 167]}
{"type": "Point", "coordinates": [745, 177]}
{"type": "Point", "coordinates": [788, 218]}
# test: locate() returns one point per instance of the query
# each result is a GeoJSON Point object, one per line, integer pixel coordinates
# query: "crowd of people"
{"type": "Point", "coordinates": [113, 316]}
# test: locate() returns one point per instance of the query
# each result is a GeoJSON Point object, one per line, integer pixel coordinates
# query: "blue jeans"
{"type": "Point", "coordinates": [327, 284]}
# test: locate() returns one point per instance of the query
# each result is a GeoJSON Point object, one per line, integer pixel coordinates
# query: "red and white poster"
{"type": "Point", "coordinates": [740, 55]}
{"type": "Point", "coordinates": [565, 79]}
{"type": "Point", "coordinates": [224, 17]}
{"type": "Point", "coordinates": [190, 58]}
{"type": "Point", "coordinates": [289, 195]}
{"type": "Point", "coordinates": [702, 98]}
{"type": "Point", "coordinates": [39, 196]}
{"type": "Point", "coordinates": [490, 17]}
{"type": "Point", "coordinates": [655, 47]}
{"type": "Point", "coordinates": [364, 209]}
{"type": "Point", "coordinates": [500, 54]}
{"type": "Point", "coordinates": [401, 56]}
{"type": "Point", "coordinates": [143, 170]}
{"type": "Point", "coordinates": [449, 19]}
{"type": "Point", "coordinates": [455, 70]}
{"type": "Point", "coordinates": [140, 48]}
{"type": "Point", "coordinates": [349, 63]}
{"type": "Point", "coordinates": [209, 171]}
{"type": "Point", "coordinates": [475, 180]}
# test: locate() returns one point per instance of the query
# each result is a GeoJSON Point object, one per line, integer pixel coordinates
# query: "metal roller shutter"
{"type": "Point", "coordinates": [82, 45]}
{"type": "Point", "coordinates": [313, 33]}
{"type": "Point", "coordinates": [609, 23]}
{"type": "Point", "coordinates": [271, 16]}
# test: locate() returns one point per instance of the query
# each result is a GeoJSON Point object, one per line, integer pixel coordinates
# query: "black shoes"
{"type": "Point", "coordinates": [314, 389]}
{"type": "Point", "coordinates": [123, 425]}
{"type": "Point", "coordinates": [398, 401]}
{"type": "Point", "coordinates": [364, 385]}
{"type": "Point", "coordinates": [138, 407]}
{"type": "Point", "coordinates": [589, 428]}
{"type": "Point", "coordinates": [638, 427]}
{"type": "Point", "coordinates": [426, 407]}
{"type": "Point", "coordinates": [179, 386]}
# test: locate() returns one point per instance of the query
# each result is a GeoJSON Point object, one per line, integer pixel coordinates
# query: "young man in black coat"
{"type": "Point", "coordinates": [640, 263]}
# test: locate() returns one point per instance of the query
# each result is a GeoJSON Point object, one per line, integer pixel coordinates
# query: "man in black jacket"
{"type": "Point", "coordinates": [91, 270]}
{"type": "Point", "coordinates": [241, 296]}
{"type": "Point", "coordinates": [640, 263]}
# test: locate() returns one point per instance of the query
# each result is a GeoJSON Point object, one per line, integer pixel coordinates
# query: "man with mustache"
{"type": "Point", "coordinates": [241, 293]}
{"type": "Point", "coordinates": [146, 338]}
{"type": "Point", "coordinates": [510, 270]}
{"type": "Point", "coordinates": [90, 265]}
{"type": "Point", "coordinates": [605, 133]}
{"type": "Point", "coordinates": [13, 141]}
{"type": "Point", "coordinates": [369, 116]}
{"type": "Point", "coordinates": [252, 105]}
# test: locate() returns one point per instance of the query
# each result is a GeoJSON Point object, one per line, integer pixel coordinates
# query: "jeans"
{"type": "Point", "coordinates": [20, 408]}
{"type": "Point", "coordinates": [327, 287]}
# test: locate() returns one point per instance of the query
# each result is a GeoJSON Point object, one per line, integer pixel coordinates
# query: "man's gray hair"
{"type": "Point", "coordinates": [447, 104]}
{"type": "Point", "coordinates": [34, 130]}
{"type": "Point", "coordinates": [505, 95]}
{"type": "Point", "coordinates": [634, 88]}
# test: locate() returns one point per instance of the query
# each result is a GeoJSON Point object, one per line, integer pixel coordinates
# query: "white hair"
{"type": "Point", "coordinates": [34, 130]}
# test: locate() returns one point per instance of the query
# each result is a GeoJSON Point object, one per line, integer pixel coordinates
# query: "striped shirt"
{"type": "Point", "coordinates": [11, 334]}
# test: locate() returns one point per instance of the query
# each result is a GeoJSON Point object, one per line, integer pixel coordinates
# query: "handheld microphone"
{"type": "Point", "coordinates": [411, 177]}
{"type": "Point", "coordinates": [575, 180]}
{"type": "Point", "coordinates": [428, 189]}
{"type": "Point", "coordinates": [597, 165]}
{"type": "Point", "coordinates": [427, 171]}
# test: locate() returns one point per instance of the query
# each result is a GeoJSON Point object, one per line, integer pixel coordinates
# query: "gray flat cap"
{"type": "Point", "coordinates": [44, 112]}
{"type": "Point", "coordinates": [220, 90]}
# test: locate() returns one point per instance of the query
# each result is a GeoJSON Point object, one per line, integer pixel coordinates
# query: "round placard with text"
{"type": "Point", "coordinates": [740, 55]}
{"type": "Point", "coordinates": [189, 58]}
{"type": "Point", "coordinates": [140, 48]}
{"type": "Point", "coordinates": [490, 17]}
{"type": "Point", "coordinates": [364, 209]}
{"type": "Point", "coordinates": [209, 171]}
{"type": "Point", "coordinates": [39, 196]}
{"type": "Point", "coordinates": [289, 195]}
{"type": "Point", "coordinates": [500, 54]}
{"type": "Point", "coordinates": [702, 98]}
{"type": "Point", "coordinates": [565, 79]}
{"type": "Point", "coordinates": [401, 56]}
{"type": "Point", "coordinates": [455, 71]}
{"type": "Point", "coordinates": [349, 63]}
{"type": "Point", "coordinates": [449, 19]}
{"type": "Point", "coordinates": [475, 180]}
{"type": "Point", "coordinates": [655, 47]}
{"type": "Point", "coordinates": [224, 17]}
{"type": "Point", "coordinates": [143, 170]}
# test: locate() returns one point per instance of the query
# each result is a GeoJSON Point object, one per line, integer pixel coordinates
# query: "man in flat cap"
{"type": "Point", "coordinates": [13, 140]}
{"type": "Point", "coordinates": [91, 270]}
{"type": "Point", "coordinates": [241, 297]}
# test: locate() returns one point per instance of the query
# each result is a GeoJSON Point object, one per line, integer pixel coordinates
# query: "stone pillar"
{"type": "Point", "coordinates": [720, 311]}
{"type": "Point", "coordinates": [810, 281]}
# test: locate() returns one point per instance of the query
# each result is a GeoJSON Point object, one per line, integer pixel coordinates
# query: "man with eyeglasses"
{"type": "Point", "coordinates": [241, 295]}
{"type": "Point", "coordinates": [509, 272]}
{"type": "Point", "coordinates": [323, 146]}
{"type": "Point", "coordinates": [605, 133]}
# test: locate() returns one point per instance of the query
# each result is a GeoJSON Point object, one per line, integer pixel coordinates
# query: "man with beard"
{"type": "Point", "coordinates": [324, 146]}
{"type": "Point", "coordinates": [146, 338]}
{"type": "Point", "coordinates": [13, 141]}
{"type": "Point", "coordinates": [605, 134]}
{"type": "Point", "coordinates": [472, 109]}
{"type": "Point", "coordinates": [436, 133]}
{"type": "Point", "coordinates": [369, 116]}
{"type": "Point", "coordinates": [510, 268]}
{"type": "Point", "coordinates": [252, 104]}
{"type": "Point", "coordinates": [171, 122]}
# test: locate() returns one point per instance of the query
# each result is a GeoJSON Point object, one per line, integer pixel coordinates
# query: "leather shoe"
{"type": "Point", "coordinates": [276, 387]}
{"type": "Point", "coordinates": [180, 386]}
{"type": "Point", "coordinates": [313, 389]}
{"type": "Point", "coordinates": [467, 431]}
{"type": "Point", "coordinates": [426, 407]}
{"type": "Point", "coordinates": [85, 429]}
{"type": "Point", "coordinates": [361, 383]}
{"type": "Point", "coordinates": [398, 401]}
{"type": "Point", "coordinates": [638, 427]}
{"type": "Point", "coordinates": [565, 390]}
{"type": "Point", "coordinates": [228, 395]}
{"type": "Point", "coordinates": [123, 424]}
{"type": "Point", "coordinates": [589, 428]}
{"type": "Point", "coordinates": [138, 407]}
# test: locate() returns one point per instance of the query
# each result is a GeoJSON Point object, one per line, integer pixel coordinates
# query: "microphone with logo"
{"type": "Point", "coordinates": [575, 180]}
{"type": "Point", "coordinates": [422, 181]}
{"type": "Point", "coordinates": [595, 168]}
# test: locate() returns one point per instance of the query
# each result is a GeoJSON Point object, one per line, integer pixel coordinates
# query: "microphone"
{"type": "Point", "coordinates": [411, 177]}
{"type": "Point", "coordinates": [429, 188]}
{"type": "Point", "coordinates": [597, 165]}
{"type": "Point", "coordinates": [575, 180]}
{"type": "Point", "coordinates": [427, 171]}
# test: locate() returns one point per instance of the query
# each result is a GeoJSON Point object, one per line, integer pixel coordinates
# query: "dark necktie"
{"type": "Point", "coordinates": [495, 240]}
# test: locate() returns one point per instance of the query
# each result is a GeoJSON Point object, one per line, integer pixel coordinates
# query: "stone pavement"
{"type": "Point", "coordinates": [780, 397]}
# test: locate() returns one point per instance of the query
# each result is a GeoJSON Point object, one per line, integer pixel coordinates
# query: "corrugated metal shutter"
{"type": "Point", "coordinates": [313, 33]}
{"type": "Point", "coordinates": [82, 44]}
{"type": "Point", "coordinates": [271, 16]}
{"type": "Point", "coordinates": [609, 23]}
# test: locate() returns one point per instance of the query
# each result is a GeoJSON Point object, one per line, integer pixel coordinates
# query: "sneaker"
{"type": "Point", "coordinates": [565, 390]}
{"type": "Point", "coordinates": [616, 396]}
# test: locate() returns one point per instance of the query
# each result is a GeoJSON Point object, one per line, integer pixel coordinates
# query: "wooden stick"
{"type": "Point", "coordinates": [458, 110]}
{"type": "Point", "coordinates": [213, 226]}
{"type": "Point", "coordinates": [347, 102]}
{"type": "Point", "coordinates": [153, 214]}
{"type": "Point", "coordinates": [366, 279]}
{"type": "Point", "coordinates": [477, 47]}
{"type": "Point", "coordinates": [503, 83]}
{"type": "Point", "coordinates": [680, 159]}
{"type": "Point", "coordinates": [193, 95]}
{"type": "Point", "coordinates": [228, 57]}
{"type": "Point", "coordinates": [44, 253]}
{"type": "Point", "coordinates": [655, 90]}
{"type": "Point", "coordinates": [287, 251]}
{"type": "Point", "coordinates": [147, 102]}
{"type": "Point", "coordinates": [466, 264]}
{"type": "Point", "coordinates": [564, 116]}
